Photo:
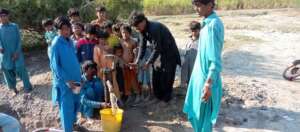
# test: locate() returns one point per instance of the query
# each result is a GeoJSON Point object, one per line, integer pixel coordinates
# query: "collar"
{"type": "Point", "coordinates": [208, 19]}
{"type": "Point", "coordinates": [67, 40]}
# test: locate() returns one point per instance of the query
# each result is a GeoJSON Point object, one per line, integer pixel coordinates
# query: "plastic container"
{"type": "Point", "coordinates": [111, 122]}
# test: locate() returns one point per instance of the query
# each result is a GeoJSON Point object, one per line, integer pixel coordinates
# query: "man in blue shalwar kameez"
{"type": "Point", "coordinates": [92, 91]}
{"type": "Point", "coordinates": [66, 74]}
{"type": "Point", "coordinates": [203, 99]}
{"type": "Point", "coordinates": [11, 55]}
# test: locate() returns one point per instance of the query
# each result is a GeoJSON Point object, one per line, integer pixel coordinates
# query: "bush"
{"type": "Point", "coordinates": [167, 7]}
{"type": "Point", "coordinates": [30, 13]}
{"type": "Point", "coordinates": [32, 40]}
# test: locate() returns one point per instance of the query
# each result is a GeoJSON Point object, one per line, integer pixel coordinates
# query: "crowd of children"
{"type": "Point", "coordinates": [86, 55]}
{"type": "Point", "coordinates": [104, 51]}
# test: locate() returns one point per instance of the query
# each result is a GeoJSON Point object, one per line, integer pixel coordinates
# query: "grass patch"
{"type": "Point", "coordinates": [175, 7]}
{"type": "Point", "coordinates": [167, 7]}
{"type": "Point", "coordinates": [255, 4]}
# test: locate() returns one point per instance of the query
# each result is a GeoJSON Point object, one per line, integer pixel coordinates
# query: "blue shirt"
{"type": "Point", "coordinates": [208, 64]}
{"type": "Point", "coordinates": [63, 62]}
{"type": "Point", "coordinates": [10, 41]}
{"type": "Point", "coordinates": [92, 92]}
{"type": "Point", "coordinates": [85, 49]}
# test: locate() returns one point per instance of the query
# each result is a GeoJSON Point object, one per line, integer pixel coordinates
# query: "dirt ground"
{"type": "Point", "coordinates": [259, 44]}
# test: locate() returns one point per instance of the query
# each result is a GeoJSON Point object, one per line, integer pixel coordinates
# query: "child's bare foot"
{"type": "Point", "coordinates": [14, 92]}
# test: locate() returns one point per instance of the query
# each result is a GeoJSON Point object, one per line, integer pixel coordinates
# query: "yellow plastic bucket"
{"type": "Point", "coordinates": [110, 122]}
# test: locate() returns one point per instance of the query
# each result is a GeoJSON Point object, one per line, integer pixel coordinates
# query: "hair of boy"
{"type": "Point", "coordinates": [4, 11]}
{"type": "Point", "coordinates": [136, 17]}
{"type": "Point", "coordinates": [60, 21]}
{"type": "Point", "coordinates": [73, 12]}
{"type": "Point", "coordinates": [102, 34]}
{"type": "Point", "coordinates": [205, 2]}
{"type": "Point", "coordinates": [90, 29]}
{"type": "Point", "coordinates": [116, 27]}
{"type": "Point", "coordinates": [127, 28]}
{"type": "Point", "coordinates": [89, 64]}
{"type": "Point", "coordinates": [107, 24]}
{"type": "Point", "coordinates": [79, 24]}
{"type": "Point", "coordinates": [47, 22]}
{"type": "Point", "coordinates": [101, 9]}
{"type": "Point", "coordinates": [117, 47]}
{"type": "Point", "coordinates": [194, 25]}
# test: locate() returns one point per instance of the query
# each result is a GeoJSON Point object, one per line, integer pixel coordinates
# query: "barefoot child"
{"type": "Point", "coordinates": [105, 63]}
{"type": "Point", "coordinates": [101, 14]}
{"type": "Point", "coordinates": [113, 39]}
{"type": "Point", "coordinates": [130, 74]}
{"type": "Point", "coordinates": [100, 50]}
{"type": "Point", "coordinates": [190, 54]}
{"type": "Point", "coordinates": [144, 75]}
{"type": "Point", "coordinates": [118, 52]}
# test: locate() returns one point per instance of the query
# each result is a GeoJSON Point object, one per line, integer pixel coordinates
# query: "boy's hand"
{"type": "Point", "coordinates": [15, 56]}
{"type": "Point", "coordinates": [207, 91]}
{"type": "Point", "coordinates": [146, 66]}
{"type": "Point", "coordinates": [105, 105]}
{"type": "Point", "coordinates": [73, 85]}
{"type": "Point", "coordinates": [133, 65]}
{"type": "Point", "coordinates": [1, 50]}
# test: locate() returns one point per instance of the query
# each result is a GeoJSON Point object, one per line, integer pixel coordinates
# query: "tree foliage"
{"type": "Point", "coordinates": [30, 13]}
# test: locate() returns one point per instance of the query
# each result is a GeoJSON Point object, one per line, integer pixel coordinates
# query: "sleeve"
{"type": "Point", "coordinates": [89, 103]}
{"type": "Point", "coordinates": [215, 39]}
{"type": "Point", "coordinates": [142, 50]}
{"type": "Point", "coordinates": [157, 46]}
{"type": "Point", "coordinates": [18, 40]}
{"type": "Point", "coordinates": [56, 66]}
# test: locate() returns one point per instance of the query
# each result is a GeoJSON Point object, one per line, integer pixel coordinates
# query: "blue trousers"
{"type": "Point", "coordinates": [68, 107]}
{"type": "Point", "coordinates": [11, 75]}
{"type": "Point", "coordinates": [9, 124]}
